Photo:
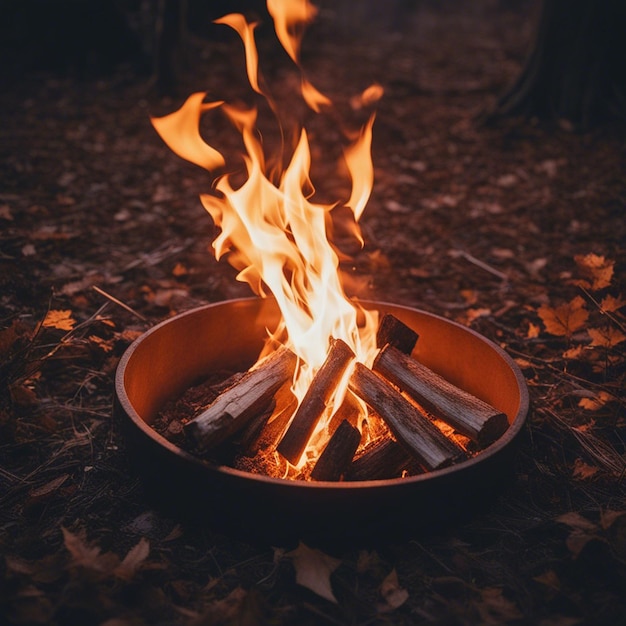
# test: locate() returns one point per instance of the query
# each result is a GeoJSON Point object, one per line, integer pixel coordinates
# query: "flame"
{"type": "Point", "coordinates": [271, 228]}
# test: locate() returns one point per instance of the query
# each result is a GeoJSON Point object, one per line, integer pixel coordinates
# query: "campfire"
{"type": "Point", "coordinates": [346, 379]}
{"type": "Point", "coordinates": [338, 391]}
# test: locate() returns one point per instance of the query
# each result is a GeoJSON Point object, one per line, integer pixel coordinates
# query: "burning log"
{"type": "Point", "coordinates": [338, 453]}
{"type": "Point", "coordinates": [264, 432]}
{"type": "Point", "coordinates": [469, 415]}
{"type": "Point", "coordinates": [409, 425]}
{"type": "Point", "coordinates": [382, 459]}
{"type": "Point", "coordinates": [392, 331]}
{"type": "Point", "coordinates": [315, 400]}
{"type": "Point", "coordinates": [237, 405]}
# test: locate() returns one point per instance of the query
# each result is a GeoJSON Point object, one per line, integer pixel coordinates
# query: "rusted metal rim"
{"type": "Point", "coordinates": [174, 354]}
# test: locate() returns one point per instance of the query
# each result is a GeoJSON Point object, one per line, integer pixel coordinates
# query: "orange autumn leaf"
{"type": "Point", "coordinates": [564, 319]}
{"type": "Point", "coordinates": [596, 402]}
{"type": "Point", "coordinates": [611, 304]}
{"type": "Point", "coordinates": [103, 344]}
{"type": "Point", "coordinates": [533, 331]}
{"type": "Point", "coordinates": [313, 570]}
{"type": "Point", "coordinates": [606, 337]}
{"type": "Point", "coordinates": [583, 471]}
{"type": "Point", "coordinates": [61, 319]}
{"type": "Point", "coordinates": [573, 353]}
{"type": "Point", "coordinates": [596, 269]}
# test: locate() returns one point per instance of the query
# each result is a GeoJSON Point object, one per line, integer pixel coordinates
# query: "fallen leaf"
{"type": "Point", "coordinates": [573, 353]}
{"type": "Point", "coordinates": [563, 320]}
{"type": "Point", "coordinates": [583, 531]}
{"type": "Point", "coordinates": [606, 337]}
{"type": "Point", "coordinates": [133, 560]}
{"type": "Point", "coordinates": [86, 555]}
{"type": "Point", "coordinates": [549, 579]}
{"type": "Point", "coordinates": [394, 595]}
{"type": "Point", "coordinates": [49, 487]}
{"type": "Point", "coordinates": [596, 402]}
{"type": "Point", "coordinates": [5, 213]}
{"type": "Point", "coordinates": [474, 314]}
{"type": "Point", "coordinates": [313, 570]}
{"type": "Point", "coordinates": [19, 566]}
{"type": "Point", "coordinates": [82, 553]}
{"type": "Point", "coordinates": [533, 331]}
{"type": "Point", "coordinates": [29, 250]}
{"type": "Point", "coordinates": [608, 518]}
{"type": "Point", "coordinates": [180, 270]}
{"type": "Point", "coordinates": [582, 470]}
{"type": "Point", "coordinates": [612, 304]}
{"type": "Point", "coordinates": [61, 319]}
{"type": "Point", "coordinates": [576, 521]}
{"type": "Point", "coordinates": [495, 608]}
{"type": "Point", "coordinates": [228, 609]}
{"type": "Point", "coordinates": [596, 268]}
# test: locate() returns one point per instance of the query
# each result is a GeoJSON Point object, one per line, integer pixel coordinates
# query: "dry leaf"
{"type": "Point", "coordinates": [596, 268]}
{"type": "Point", "coordinates": [49, 487]}
{"type": "Point", "coordinates": [394, 595]}
{"type": "Point", "coordinates": [180, 270]}
{"type": "Point", "coordinates": [549, 579]}
{"type": "Point", "coordinates": [583, 531]}
{"type": "Point", "coordinates": [133, 560]}
{"type": "Point", "coordinates": [563, 320]}
{"type": "Point", "coordinates": [495, 608]}
{"type": "Point", "coordinates": [576, 521]}
{"type": "Point", "coordinates": [573, 353]}
{"type": "Point", "coordinates": [582, 470]}
{"type": "Point", "coordinates": [313, 570]}
{"type": "Point", "coordinates": [106, 345]}
{"type": "Point", "coordinates": [82, 553]}
{"type": "Point", "coordinates": [611, 304]}
{"type": "Point", "coordinates": [5, 213]}
{"type": "Point", "coordinates": [61, 319]}
{"type": "Point", "coordinates": [533, 331]}
{"type": "Point", "coordinates": [596, 402]}
{"type": "Point", "coordinates": [606, 337]}
{"type": "Point", "coordinates": [607, 518]}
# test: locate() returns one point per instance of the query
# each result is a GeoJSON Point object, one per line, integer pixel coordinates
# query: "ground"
{"type": "Point", "coordinates": [515, 229]}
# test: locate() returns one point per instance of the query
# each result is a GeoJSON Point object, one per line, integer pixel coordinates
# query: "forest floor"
{"type": "Point", "coordinates": [516, 230]}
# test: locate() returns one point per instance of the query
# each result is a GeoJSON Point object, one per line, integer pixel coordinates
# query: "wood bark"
{"type": "Point", "coordinates": [575, 69]}
{"type": "Point", "coordinates": [410, 426]}
{"type": "Point", "coordinates": [391, 330]}
{"type": "Point", "coordinates": [314, 403]}
{"type": "Point", "coordinates": [338, 453]}
{"type": "Point", "coordinates": [264, 433]}
{"type": "Point", "coordinates": [466, 413]}
{"type": "Point", "coordinates": [234, 408]}
{"type": "Point", "coordinates": [380, 460]}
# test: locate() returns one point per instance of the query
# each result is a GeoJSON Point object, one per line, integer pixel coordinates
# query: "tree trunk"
{"type": "Point", "coordinates": [575, 71]}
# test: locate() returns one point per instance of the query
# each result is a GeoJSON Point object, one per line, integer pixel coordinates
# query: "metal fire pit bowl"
{"type": "Point", "coordinates": [178, 353]}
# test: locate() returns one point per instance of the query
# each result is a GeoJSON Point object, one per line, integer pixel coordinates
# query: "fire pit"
{"type": "Point", "coordinates": [177, 353]}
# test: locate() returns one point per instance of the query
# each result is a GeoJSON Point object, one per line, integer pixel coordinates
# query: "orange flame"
{"type": "Point", "coordinates": [272, 230]}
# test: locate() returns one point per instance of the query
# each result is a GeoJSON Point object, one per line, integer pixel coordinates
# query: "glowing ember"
{"type": "Point", "coordinates": [272, 230]}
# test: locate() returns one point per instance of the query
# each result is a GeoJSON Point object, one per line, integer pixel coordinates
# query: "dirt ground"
{"type": "Point", "coordinates": [516, 230]}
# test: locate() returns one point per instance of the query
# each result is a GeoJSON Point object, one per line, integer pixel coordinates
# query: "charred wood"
{"type": "Point", "coordinates": [338, 453]}
{"type": "Point", "coordinates": [392, 331]}
{"type": "Point", "coordinates": [382, 459]}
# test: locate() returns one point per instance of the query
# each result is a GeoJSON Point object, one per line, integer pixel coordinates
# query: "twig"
{"type": "Point", "coordinates": [113, 299]}
{"type": "Point", "coordinates": [608, 314]}
{"type": "Point", "coordinates": [484, 266]}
